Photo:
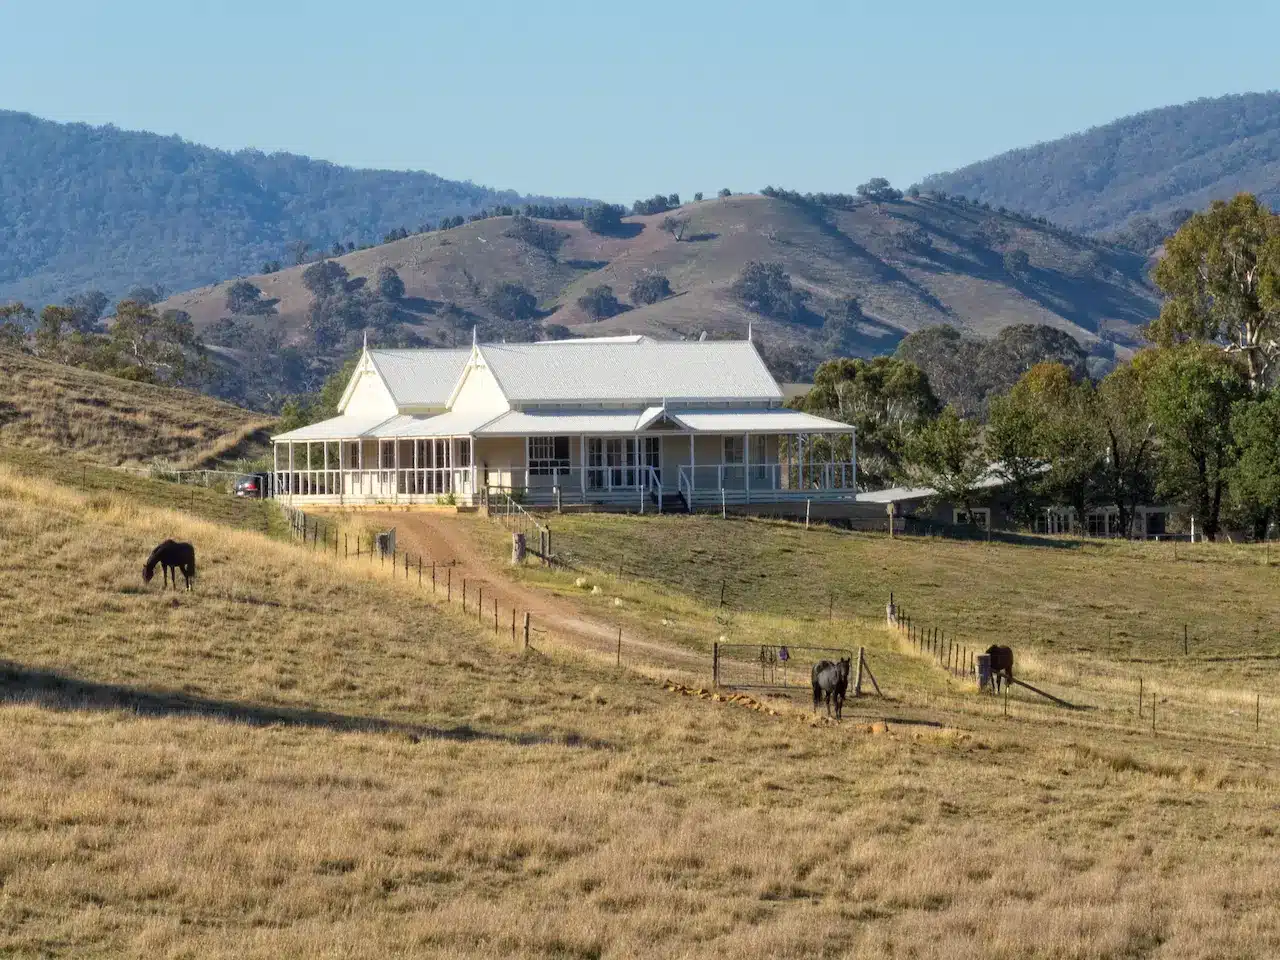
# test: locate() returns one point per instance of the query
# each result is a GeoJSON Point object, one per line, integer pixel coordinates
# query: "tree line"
{"type": "Point", "coordinates": [1193, 419]}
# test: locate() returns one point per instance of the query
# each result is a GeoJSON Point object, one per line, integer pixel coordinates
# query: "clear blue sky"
{"type": "Point", "coordinates": [620, 100]}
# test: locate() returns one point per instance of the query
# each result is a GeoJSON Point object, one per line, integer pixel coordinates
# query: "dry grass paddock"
{"type": "Point", "coordinates": [304, 758]}
{"type": "Point", "coordinates": [49, 407]}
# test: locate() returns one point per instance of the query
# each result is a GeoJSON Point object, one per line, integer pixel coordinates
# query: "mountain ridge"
{"type": "Point", "coordinates": [1150, 164]}
{"type": "Point", "coordinates": [85, 207]}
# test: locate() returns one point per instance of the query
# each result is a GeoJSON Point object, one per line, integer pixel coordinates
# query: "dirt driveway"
{"type": "Point", "coordinates": [445, 538]}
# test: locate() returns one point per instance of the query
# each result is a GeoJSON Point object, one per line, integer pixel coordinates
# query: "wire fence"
{"type": "Point", "coordinates": [440, 579]}
{"type": "Point", "coordinates": [1111, 693]}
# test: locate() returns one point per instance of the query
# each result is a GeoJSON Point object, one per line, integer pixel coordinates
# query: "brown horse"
{"type": "Point", "coordinates": [173, 556]}
{"type": "Point", "coordinates": [1001, 665]}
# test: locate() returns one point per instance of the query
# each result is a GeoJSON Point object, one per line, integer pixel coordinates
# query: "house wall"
{"type": "Point", "coordinates": [503, 457]}
{"type": "Point", "coordinates": [480, 392]}
{"type": "Point", "coordinates": [370, 396]}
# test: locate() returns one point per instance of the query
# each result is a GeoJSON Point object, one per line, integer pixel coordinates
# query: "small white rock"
{"type": "Point", "coordinates": [595, 589]}
{"type": "Point", "coordinates": [617, 601]}
{"type": "Point", "coordinates": [580, 582]}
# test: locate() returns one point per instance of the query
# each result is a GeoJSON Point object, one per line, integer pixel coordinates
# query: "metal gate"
{"type": "Point", "coordinates": [766, 666]}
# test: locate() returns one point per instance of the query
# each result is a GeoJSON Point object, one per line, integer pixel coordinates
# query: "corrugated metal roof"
{"type": "Point", "coordinates": [774, 420]}
{"type": "Point", "coordinates": [643, 371]}
{"type": "Point", "coordinates": [450, 424]}
{"type": "Point", "coordinates": [900, 494]}
{"type": "Point", "coordinates": [517, 423]}
{"type": "Point", "coordinates": [337, 428]}
{"type": "Point", "coordinates": [624, 338]}
{"type": "Point", "coordinates": [420, 378]}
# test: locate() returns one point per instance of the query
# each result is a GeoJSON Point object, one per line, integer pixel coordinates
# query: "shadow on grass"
{"type": "Point", "coordinates": [57, 691]}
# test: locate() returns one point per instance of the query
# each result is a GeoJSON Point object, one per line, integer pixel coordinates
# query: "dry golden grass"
{"type": "Point", "coordinates": [48, 407]}
{"type": "Point", "coordinates": [303, 758]}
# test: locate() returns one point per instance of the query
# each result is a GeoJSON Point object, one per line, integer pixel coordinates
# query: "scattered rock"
{"type": "Point", "coordinates": [617, 601]}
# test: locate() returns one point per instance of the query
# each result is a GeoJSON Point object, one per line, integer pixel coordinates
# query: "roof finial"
{"type": "Point", "coordinates": [748, 331]}
{"type": "Point", "coordinates": [366, 339]}
{"type": "Point", "coordinates": [473, 335]}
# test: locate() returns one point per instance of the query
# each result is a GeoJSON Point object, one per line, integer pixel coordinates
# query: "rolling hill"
{"type": "Point", "coordinates": [85, 207]}
{"type": "Point", "coordinates": [1151, 164]}
{"type": "Point", "coordinates": [910, 264]}
{"type": "Point", "coordinates": [55, 409]}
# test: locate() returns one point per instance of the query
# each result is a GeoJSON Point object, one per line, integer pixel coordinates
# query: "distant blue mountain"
{"type": "Point", "coordinates": [85, 207]}
{"type": "Point", "coordinates": [1150, 164]}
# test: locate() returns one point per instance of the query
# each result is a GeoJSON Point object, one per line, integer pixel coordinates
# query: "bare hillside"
{"type": "Point", "coordinates": [910, 264]}
{"type": "Point", "coordinates": [103, 419]}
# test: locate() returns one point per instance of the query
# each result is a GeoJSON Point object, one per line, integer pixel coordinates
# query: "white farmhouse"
{"type": "Point", "coordinates": [626, 421]}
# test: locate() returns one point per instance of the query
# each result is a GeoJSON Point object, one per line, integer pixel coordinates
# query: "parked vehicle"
{"type": "Point", "coordinates": [251, 485]}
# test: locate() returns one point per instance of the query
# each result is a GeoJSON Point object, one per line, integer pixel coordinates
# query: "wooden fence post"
{"type": "Point", "coordinates": [419, 571]}
{"type": "Point", "coordinates": [619, 646]}
{"type": "Point", "coordinates": [857, 683]}
{"type": "Point", "coordinates": [344, 547]}
{"type": "Point", "coordinates": [526, 629]}
{"type": "Point", "coordinates": [1139, 698]}
{"type": "Point", "coordinates": [433, 577]}
{"type": "Point", "coordinates": [448, 585]}
{"type": "Point", "coordinates": [513, 624]}
{"type": "Point", "coordinates": [480, 601]}
{"type": "Point", "coordinates": [464, 593]}
{"type": "Point", "coordinates": [715, 664]}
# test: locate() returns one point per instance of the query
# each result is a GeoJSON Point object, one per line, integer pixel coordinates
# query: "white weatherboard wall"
{"type": "Point", "coordinates": [369, 396]}
{"type": "Point", "coordinates": [479, 392]}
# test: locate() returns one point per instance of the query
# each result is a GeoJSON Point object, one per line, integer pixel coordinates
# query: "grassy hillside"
{"type": "Point", "coordinates": [147, 209]}
{"type": "Point", "coordinates": [303, 757]}
{"type": "Point", "coordinates": [1151, 163]}
{"type": "Point", "coordinates": [911, 264]}
{"type": "Point", "coordinates": [1087, 602]}
{"type": "Point", "coordinates": [48, 407]}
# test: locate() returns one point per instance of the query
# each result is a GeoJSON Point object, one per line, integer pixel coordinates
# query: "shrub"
{"type": "Point", "coordinates": [390, 286]}
{"type": "Point", "coordinates": [539, 235]}
{"type": "Point", "coordinates": [650, 288]}
{"type": "Point", "coordinates": [765, 288]}
{"type": "Point", "coordinates": [512, 301]}
{"type": "Point", "coordinates": [603, 218]}
{"type": "Point", "coordinates": [600, 303]}
{"type": "Point", "coordinates": [879, 190]}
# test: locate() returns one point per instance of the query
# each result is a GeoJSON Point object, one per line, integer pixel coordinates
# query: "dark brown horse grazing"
{"type": "Point", "coordinates": [831, 681]}
{"type": "Point", "coordinates": [1001, 665]}
{"type": "Point", "coordinates": [173, 556]}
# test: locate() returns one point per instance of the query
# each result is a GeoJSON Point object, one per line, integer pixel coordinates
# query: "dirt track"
{"type": "Point", "coordinates": [445, 539]}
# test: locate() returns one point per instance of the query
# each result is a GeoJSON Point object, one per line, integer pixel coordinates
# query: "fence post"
{"type": "Point", "coordinates": [464, 593]}
{"type": "Point", "coordinates": [480, 601]}
{"type": "Point", "coordinates": [513, 624]}
{"type": "Point", "coordinates": [406, 564]}
{"type": "Point", "coordinates": [419, 571]}
{"type": "Point", "coordinates": [344, 546]}
{"type": "Point", "coordinates": [619, 646]}
{"type": "Point", "coordinates": [857, 683]}
{"type": "Point", "coordinates": [1139, 698]}
{"type": "Point", "coordinates": [433, 577]}
{"type": "Point", "coordinates": [526, 629]}
{"type": "Point", "coordinates": [449, 584]}
{"type": "Point", "coordinates": [715, 664]}
{"type": "Point", "coordinates": [495, 616]}
{"type": "Point", "coordinates": [1184, 640]}
{"type": "Point", "coordinates": [1257, 713]}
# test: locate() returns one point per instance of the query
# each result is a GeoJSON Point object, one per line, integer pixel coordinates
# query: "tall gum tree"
{"type": "Point", "coordinates": [1221, 278]}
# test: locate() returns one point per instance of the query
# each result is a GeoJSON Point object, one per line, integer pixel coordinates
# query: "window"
{"type": "Point", "coordinates": [759, 448]}
{"type": "Point", "coordinates": [733, 449]}
{"type": "Point", "coordinates": [981, 518]}
{"type": "Point", "coordinates": [653, 455]}
{"type": "Point", "coordinates": [464, 453]}
{"type": "Point", "coordinates": [1095, 523]}
{"type": "Point", "coordinates": [548, 456]}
